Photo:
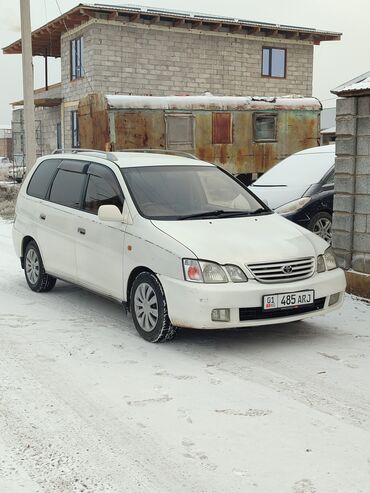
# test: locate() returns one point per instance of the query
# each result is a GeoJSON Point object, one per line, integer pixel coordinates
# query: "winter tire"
{"type": "Point", "coordinates": [149, 309]}
{"type": "Point", "coordinates": [37, 279]}
{"type": "Point", "coordinates": [320, 224]}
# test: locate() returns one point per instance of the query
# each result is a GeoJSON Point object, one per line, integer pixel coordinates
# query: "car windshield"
{"type": "Point", "coordinates": [303, 168]}
{"type": "Point", "coordinates": [188, 192]}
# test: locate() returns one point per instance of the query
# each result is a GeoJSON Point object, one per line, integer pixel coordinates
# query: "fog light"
{"type": "Point", "coordinates": [334, 298]}
{"type": "Point", "coordinates": [221, 315]}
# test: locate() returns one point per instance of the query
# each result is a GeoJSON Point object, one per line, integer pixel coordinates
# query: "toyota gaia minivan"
{"type": "Point", "coordinates": [180, 242]}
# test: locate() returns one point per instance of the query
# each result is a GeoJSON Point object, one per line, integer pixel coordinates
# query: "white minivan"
{"type": "Point", "coordinates": [178, 241]}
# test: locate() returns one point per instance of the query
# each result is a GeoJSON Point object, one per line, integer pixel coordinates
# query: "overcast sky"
{"type": "Point", "coordinates": [335, 62]}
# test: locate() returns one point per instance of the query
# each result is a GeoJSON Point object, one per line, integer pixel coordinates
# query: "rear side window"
{"type": "Point", "coordinates": [102, 189]}
{"type": "Point", "coordinates": [40, 181]}
{"type": "Point", "coordinates": [67, 188]}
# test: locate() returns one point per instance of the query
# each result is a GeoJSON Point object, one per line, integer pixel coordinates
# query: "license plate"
{"type": "Point", "coordinates": [288, 300]}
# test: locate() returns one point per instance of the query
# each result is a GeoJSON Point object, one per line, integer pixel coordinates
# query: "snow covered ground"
{"type": "Point", "coordinates": [88, 406]}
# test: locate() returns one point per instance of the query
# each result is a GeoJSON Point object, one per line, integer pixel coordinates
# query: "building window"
{"type": "Point", "coordinates": [75, 129]}
{"type": "Point", "coordinates": [264, 127]}
{"type": "Point", "coordinates": [222, 129]}
{"type": "Point", "coordinates": [274, 62]}
{"type": "Point", "coordinates": [180, 131]}
{"type": "Point", "coordinates": [59, 136]}
{"type": "Point", "coordinates": [77, 70]}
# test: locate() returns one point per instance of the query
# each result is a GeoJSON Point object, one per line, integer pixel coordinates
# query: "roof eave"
{"type": "Point", "coordinates": [46, 39]}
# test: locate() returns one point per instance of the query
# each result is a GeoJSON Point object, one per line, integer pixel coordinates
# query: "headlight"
{"type": "Point", "coordinates": [293, 206]}
{"type": "Point", "coordinates": [200, 271]}
{"type": "Point", "coordinates": [210, 272]}
{"type": "Point", "coordinates": [235, 274]}
{"type": "Point", "coordinates": [326, 261]}
{"type": "Point", "coordinates": [330, 260]}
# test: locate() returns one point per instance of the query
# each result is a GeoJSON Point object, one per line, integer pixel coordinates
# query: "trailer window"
{"type": "Point", "coordinates": [264, 128]}
{"type": "Point", "coordinates": [222, 130]}
{"type": "Point", "coordinates": [180, 131]}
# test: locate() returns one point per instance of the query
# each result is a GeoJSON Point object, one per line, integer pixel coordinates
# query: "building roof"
{"type": "Point", "coordinates": [210, 102]}
{"type": "Point", "coordinates": [46, 39]}
{"type": "Point", "coordinates": [355, 87]}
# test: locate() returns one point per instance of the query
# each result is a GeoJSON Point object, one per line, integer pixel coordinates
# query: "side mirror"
{"type": "Point", "coordinates": [110, 213]}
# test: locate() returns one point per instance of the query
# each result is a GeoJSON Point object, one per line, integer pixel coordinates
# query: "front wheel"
{"type": "Point", "coordinates": [320, 224]}
{"type": "Point", "coordinates": [149, 309]}
{"type": "Point", "coordinates": [37, 279]}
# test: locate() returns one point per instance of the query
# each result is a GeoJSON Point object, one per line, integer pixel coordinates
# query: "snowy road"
{"type": "Point", "coordinates": [88, 406]}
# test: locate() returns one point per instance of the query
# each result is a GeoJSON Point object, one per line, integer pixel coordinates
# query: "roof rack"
{"type": "Point", "coordinates": [161, 151]}
{"type": "Point", "coordinates": [73, 150]}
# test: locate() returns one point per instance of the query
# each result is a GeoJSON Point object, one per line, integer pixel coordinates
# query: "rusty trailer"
{"type": "Point", "coordinates": [245, 135]}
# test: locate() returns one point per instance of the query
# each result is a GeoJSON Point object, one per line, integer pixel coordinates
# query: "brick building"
{"type": "Point", "coordinates": [351, 220]}
{"type": "Point", "coordinates": [141, 51]}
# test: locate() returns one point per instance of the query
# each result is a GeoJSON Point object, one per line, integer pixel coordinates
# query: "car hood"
{"type": "Point", "coordinates": [244, 239]}
{"type": "Point", "coordinates": [279, 195]}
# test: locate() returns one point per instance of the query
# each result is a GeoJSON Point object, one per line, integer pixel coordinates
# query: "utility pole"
{"type": "Point", "coordinates": [27, 65]}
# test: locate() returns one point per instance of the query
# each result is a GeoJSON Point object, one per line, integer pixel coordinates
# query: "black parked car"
{"type": "Point", "coordinates": [301, 188]}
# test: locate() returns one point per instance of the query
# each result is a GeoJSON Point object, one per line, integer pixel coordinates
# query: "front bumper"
{"type": "Point", "coordinates": [190, 304]}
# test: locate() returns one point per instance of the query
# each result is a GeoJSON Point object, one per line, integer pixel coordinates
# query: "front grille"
{"type": "Point", "coordinates": [289, 270]}
{"type": "Point", "coordinates": [257, 313]}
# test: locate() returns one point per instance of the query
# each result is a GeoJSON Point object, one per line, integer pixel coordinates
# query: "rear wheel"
{"type": "Point", "coordinates": [149, 309]}
{"type": "Point", "coordinates": [37, 279]}
{"type": "Point", "coordinates": [320, 224]}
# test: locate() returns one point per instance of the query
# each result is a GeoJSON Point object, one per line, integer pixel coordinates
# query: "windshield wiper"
{"type": "Point", "coordinates": [221, 213]}
{"type": "Point", "coordinates": [204, 214]}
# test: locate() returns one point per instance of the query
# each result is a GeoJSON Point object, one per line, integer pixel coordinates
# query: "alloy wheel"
{"type": "Point", "coordinates": [322, 228]}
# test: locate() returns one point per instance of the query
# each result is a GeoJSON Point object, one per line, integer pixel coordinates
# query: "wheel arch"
{"type": "Point", "coordinates": [25, 241]}
{"type": "Point", "coordinates": [133, 275]}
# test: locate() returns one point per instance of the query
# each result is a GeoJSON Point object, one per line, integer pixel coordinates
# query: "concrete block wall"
{"type": "Point", "coordinates": [138, 59]}
{"type": "Point", "coordinates": [48, 118]}
{"type": "Point", "coordinates": [351, 220]}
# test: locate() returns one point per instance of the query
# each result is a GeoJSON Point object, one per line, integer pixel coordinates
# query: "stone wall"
{"type": "Point", "coordinates": [351, 221]}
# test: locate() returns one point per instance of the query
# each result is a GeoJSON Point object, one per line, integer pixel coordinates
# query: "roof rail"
{"type": "Point", "coordinates": [161, 151]}
{"type": "Point", "coordinates": [76, 150]}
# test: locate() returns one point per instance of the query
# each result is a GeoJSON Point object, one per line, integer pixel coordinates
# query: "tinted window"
{"type": "Point", "coordinates": [329, 180]}
{"type": "Point", "coordinates": [102, 189]}
{"type": "Point", "coordinates": [41, 179]}
{"type": "Point", "coordinates": [67, 188]}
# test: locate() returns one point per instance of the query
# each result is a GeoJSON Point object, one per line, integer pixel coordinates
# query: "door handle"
{"type": "Point", "coordinates": [43, 217]}
{"type": "Point", "coordinates": [82, 231]}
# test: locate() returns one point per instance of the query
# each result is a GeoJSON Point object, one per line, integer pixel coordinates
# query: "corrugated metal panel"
{"type": "Point", "coordinates": [222, 131]}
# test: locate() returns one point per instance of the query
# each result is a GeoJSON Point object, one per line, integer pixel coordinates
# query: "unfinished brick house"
{"type": "Point", "coordinates": [141, 51]}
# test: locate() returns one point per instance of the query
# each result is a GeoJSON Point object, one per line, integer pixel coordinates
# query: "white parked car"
{"type": "Point", "coordinates": [179, 241]}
